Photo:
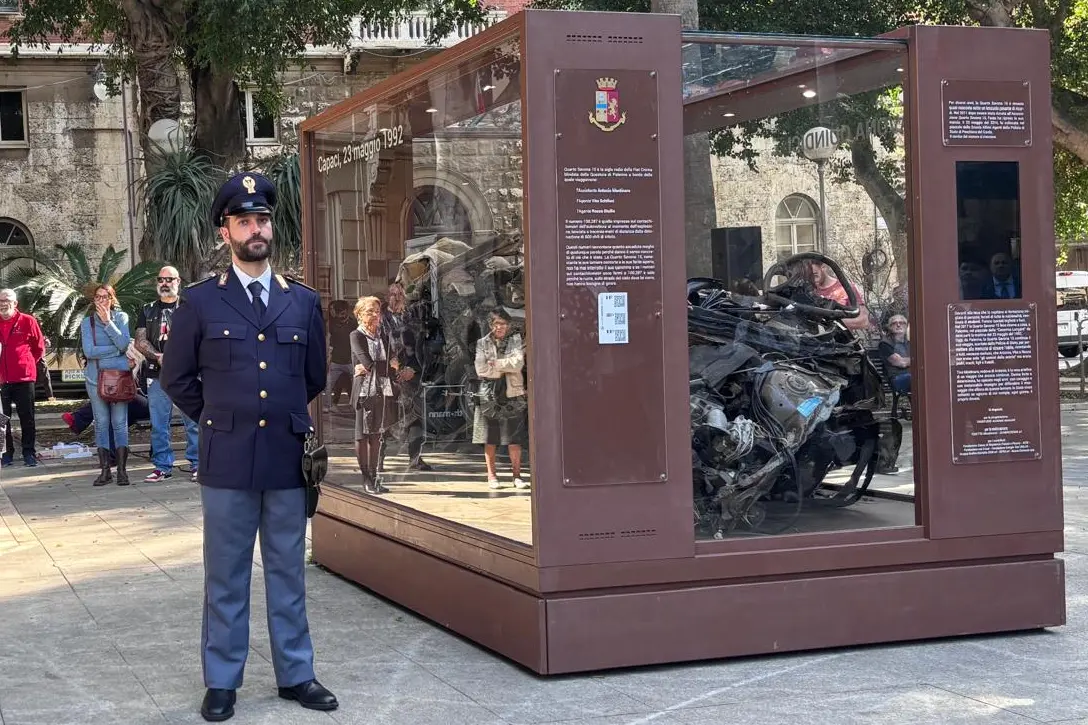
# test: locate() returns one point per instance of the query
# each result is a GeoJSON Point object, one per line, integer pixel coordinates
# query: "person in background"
{"type": "Point", "coordinates": [373, 392]}
{"type": "Point", "coordinates": [152, 333]}
{"type": "Point", "coordinates": [972, 275]}
{"type": "Point", "coordinates": [341, 326]}
{"type": "Point", "coordinates": [409, 429]}
{"type": "Point", "coordinates": [829, 287]}
{"type": "Point", "coordinates": [21, 348]}
{"type": "Point", "coordinates": [501, 413]}
{"type": "Point", "coordinates": [105, 338]}
{"type": "Point", "coordinates": [1003, 284]}
{"type": "Point", "coordinates": [894, 352]}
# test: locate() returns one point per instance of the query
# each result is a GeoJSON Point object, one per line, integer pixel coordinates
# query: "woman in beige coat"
{"type": "Point", "coordinates": [501, 416]}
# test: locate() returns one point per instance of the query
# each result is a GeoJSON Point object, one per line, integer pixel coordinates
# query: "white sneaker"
{"type": "Point", "coordinates": [518, 483]}
{"type": "Point", "coordinates": [494, 483]}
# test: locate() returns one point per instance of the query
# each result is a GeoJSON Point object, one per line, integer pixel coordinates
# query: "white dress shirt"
{"type": "Point", "coordinates": [265, 279]}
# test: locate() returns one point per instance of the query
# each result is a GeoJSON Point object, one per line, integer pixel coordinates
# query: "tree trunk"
{"type": "Point", "coordinates": [217, 111]}
{"type": "Point", "coordinates": [888, 202]}
{"type": "Point", "coordinates": [152, 26]}
{"type": "Point", "coordinates": [700, 211]}
{"type": "Point", "coordinates": [1069, 110]}
{"type": "Point", "coordinates": [994, 13]}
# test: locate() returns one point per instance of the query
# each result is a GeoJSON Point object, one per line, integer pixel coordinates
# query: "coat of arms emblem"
{"type": "Point", "coordinates": [606, 113]}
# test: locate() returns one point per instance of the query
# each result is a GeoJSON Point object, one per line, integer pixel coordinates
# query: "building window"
{"type": "Point", "coordinates": [261, 126]}
{"type": "Point", "coordinates": [796, 227]}
{"type": "Point", "coordinates": [12, 117]}
{"type": "Point", "coordinates": [9, 7]}
{"type": "Point", "coordinates": [436, 210]}
{"type": "Point", "coordinates": [14, 234]}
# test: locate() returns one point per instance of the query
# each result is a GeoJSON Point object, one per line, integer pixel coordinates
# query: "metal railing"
{"type": "Point", "coordinates": [414, 32]}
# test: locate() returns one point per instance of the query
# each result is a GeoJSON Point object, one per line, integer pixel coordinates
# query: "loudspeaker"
{"type": "Point", "coordinates": [736, 255]}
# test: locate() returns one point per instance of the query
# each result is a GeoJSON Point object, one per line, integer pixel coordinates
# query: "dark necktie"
{"type": "Point", "coordinates": [255, 289]}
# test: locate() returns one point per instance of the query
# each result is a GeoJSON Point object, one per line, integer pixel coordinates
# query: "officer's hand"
{"type": "Point", "coordinates": [406, 374]}
{"type": "Point", "coordinates": [360, 369]}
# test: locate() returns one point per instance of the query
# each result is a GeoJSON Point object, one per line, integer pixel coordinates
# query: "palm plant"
{"type": "Point", "coordinates": [177, 198]}
{"type": "Point", "coordinates": [56, 289]}
{"type": "Point", "coordinates": [283, 171]}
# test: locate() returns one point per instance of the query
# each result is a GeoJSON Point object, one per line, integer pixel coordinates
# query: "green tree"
{"type": "Point", "coordinates": [177, 195]}
{"type": "Point", "coordinates": [875, 162]}
{"type": "Point", "coordinates": [56, 289]}
{"type": "Point", "coordinates": [213, 45]}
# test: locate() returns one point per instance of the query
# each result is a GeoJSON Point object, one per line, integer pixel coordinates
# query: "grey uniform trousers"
{"type": "Point", "coordinates": [232, 519]}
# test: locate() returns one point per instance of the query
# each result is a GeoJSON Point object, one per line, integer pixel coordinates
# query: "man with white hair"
{"type": "Point", "coordinates": [152, 332]}
{"type": "Point", "coordinates": [21, 347]}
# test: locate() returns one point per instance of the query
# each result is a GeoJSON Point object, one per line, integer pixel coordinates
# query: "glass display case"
{"type": "Point", "coordinates": [636, 332]}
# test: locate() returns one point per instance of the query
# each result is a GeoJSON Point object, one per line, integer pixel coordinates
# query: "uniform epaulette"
{"type": "Point", "coordinates": [295, 281]}
{"type": "Point", "coordinates": [200, 282]}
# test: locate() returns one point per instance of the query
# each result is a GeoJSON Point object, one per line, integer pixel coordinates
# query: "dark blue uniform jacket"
{"type": "Point", "coordinates": [247, 384]}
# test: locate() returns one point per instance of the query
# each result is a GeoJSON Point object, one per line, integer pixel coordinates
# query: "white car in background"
{"type": "Point", "coordinates": [1072, 311]}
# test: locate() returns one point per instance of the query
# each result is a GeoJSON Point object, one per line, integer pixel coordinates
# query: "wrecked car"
{"type": "Point", "coordinates": [781, 394]}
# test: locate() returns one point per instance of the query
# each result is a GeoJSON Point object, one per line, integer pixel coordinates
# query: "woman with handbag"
{"type": "Point", "coordinates": [110, 384]}
{"type": "Point", "coordinates": [501, 416]}
{"type": "Point", "coordinates": [374, 390]}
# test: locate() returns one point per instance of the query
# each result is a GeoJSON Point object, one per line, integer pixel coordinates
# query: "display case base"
{"type": "Point", "coordinates": [603, 629]}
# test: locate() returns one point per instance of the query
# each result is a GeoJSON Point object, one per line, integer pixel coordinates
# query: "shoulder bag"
{"type": "Point", "coordinates": [114, 386]}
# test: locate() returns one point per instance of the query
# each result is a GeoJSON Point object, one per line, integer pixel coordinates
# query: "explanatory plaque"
{"type": "Point", "coordinates": [986, 113]}
{"type": "Point", "coordinates": [993, 361]}
{"type": "Point", "coordinates": [608, 202]}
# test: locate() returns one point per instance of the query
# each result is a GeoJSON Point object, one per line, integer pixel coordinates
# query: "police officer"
{"type": "Point", "coordinates": [246, 355]}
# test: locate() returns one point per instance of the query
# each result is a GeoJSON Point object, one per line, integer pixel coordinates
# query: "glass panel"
{"type": "Point", "coordinates": [713, 68]}
{"type": "Point", "coordinates": [11, 117]}
{"type": "Point", "coordinates": [988, 212]}
{"type": "Point", "coordinates": [419, 203]}
{"type": "Point", "coordinates": [800, 386]}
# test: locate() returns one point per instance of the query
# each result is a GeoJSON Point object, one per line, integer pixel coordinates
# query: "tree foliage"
{"type": "Point", "coordinates": [880, 163]}
{"type": "Point", "coordinates": [55, 288]}
{"type": "Point", "coordinates": [217, 44]}
{"type": "Point", "coordinates": [176, 197]}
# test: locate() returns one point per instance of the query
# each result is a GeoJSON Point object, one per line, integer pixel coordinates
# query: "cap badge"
{"type": "Point", "coordinates": [250, 184]}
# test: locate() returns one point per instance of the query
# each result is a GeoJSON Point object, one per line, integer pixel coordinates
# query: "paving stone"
{"type": "Point", "coordinates": [100, 606]}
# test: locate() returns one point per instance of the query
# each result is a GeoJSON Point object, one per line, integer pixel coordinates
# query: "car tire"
{"type": "Point", "coordinates": [1069, 350]}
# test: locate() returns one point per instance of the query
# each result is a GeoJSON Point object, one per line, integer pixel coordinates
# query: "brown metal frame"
{"type": "Point", "coordinates": [981, 558]}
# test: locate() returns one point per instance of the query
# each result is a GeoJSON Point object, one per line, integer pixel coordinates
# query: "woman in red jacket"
{"type": "Point", "coordinates": [21, 346]}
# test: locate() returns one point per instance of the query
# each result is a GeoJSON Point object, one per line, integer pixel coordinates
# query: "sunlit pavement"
{"type": "Point", "coordinates": [100, 596]}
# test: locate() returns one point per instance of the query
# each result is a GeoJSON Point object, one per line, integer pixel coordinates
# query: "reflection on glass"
{"type": "Point", "coordinates": [800, 381]}
{"type": "Point", "coordinates": [988, 212]}
{"type": "Point", "coordinates": [418, 209]}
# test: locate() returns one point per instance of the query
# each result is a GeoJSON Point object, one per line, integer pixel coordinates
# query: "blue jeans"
{"type": "Point", "coordinates": [161, 408]}
{"type": "Point", "coordinates": [901, 383]}
{"type": "Point", "coordinates": [108, 416]}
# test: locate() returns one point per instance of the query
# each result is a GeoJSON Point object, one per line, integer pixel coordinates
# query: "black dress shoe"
{"type": "Point", "coordinates": [218, 705]}
{"type": "Point", "coordinates": [310, 695]}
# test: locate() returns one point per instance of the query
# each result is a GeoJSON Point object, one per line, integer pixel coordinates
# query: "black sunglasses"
{"type": "Point", "coordinates": [167, 279]}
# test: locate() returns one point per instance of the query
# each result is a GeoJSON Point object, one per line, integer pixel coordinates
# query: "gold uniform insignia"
{"type": "Point", "coordinates": [250, 184]}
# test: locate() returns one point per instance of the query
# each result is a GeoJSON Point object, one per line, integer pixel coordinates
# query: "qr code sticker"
{"type": "Point", "coordinates": [621, 318]}
{"type": "Point", "coordinates": [621, 335]}
{"type": "Point", "coordinates": [619, 302]}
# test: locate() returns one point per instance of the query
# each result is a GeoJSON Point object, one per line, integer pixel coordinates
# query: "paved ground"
{"type": "Point", "coordinates": [100, 593]}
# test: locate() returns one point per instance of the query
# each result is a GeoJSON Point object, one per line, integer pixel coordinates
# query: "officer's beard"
{"type": "Point", "coordinates": [254, 249]}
